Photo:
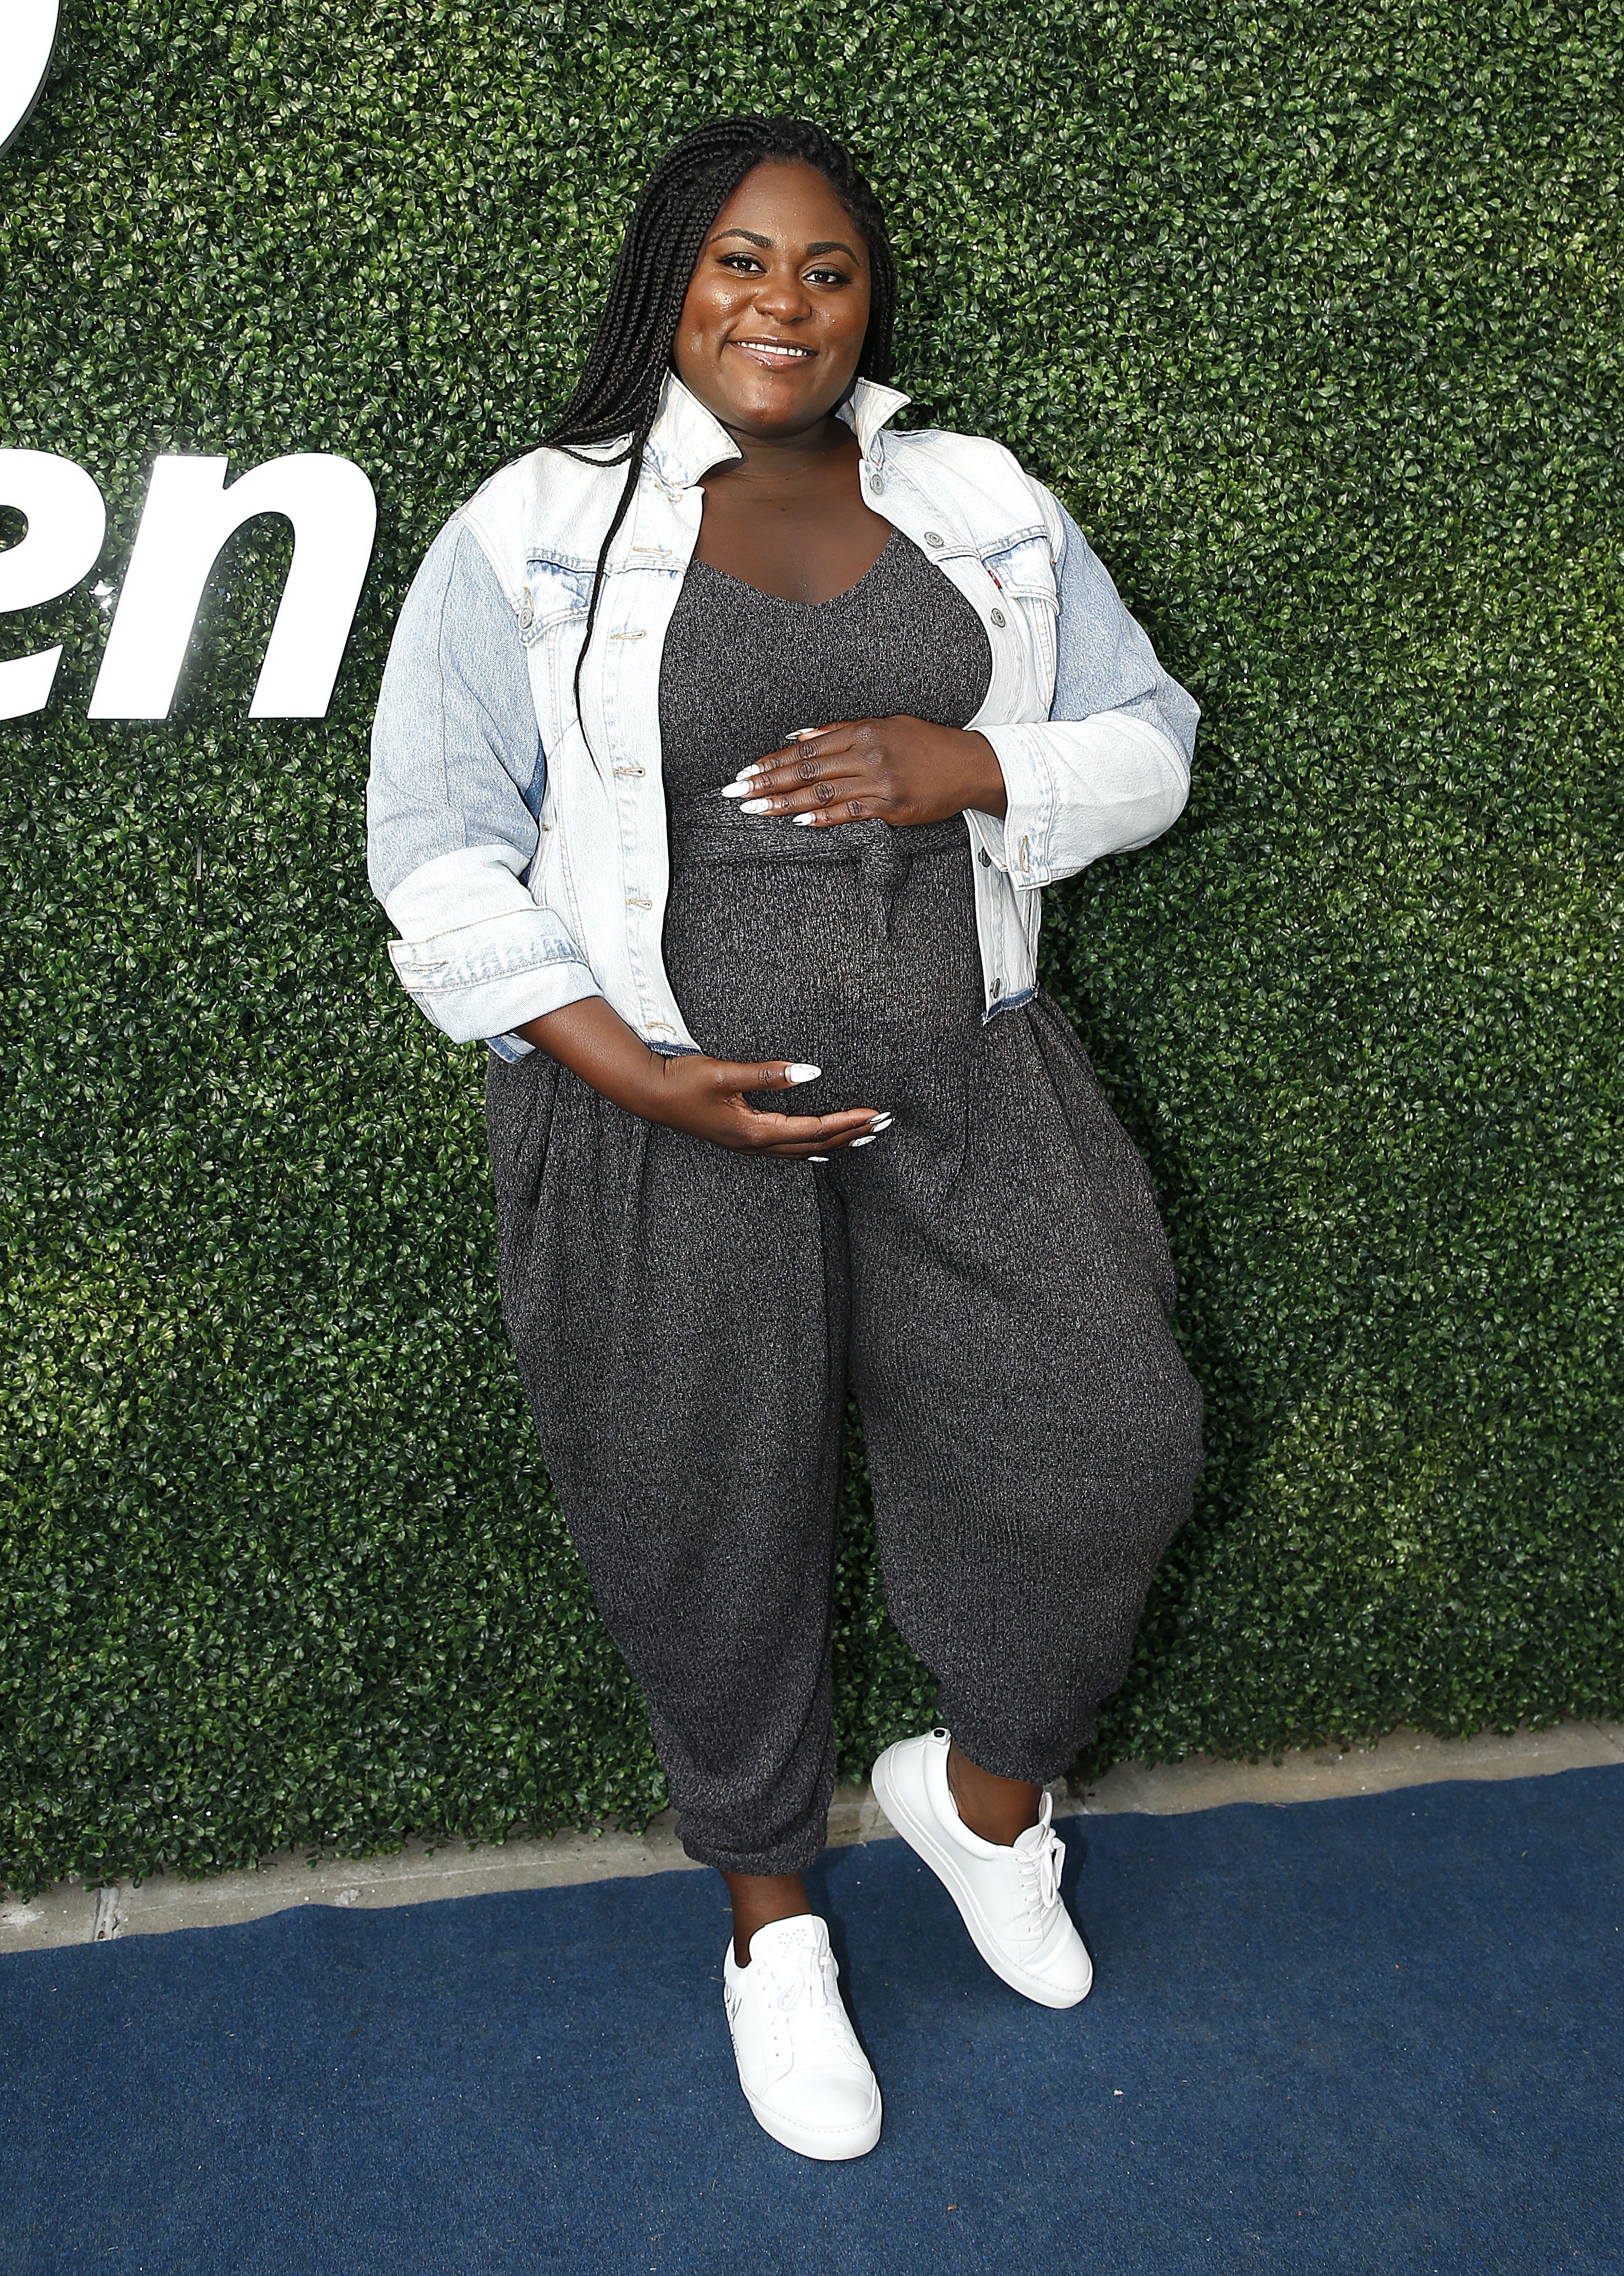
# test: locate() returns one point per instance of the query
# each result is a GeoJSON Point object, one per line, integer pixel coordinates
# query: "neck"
{"type": "Point", "coordinates": [783, 458]}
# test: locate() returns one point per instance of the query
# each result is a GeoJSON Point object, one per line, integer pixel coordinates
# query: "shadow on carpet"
{"type": "Point", "coordinates": [1377, 2035]}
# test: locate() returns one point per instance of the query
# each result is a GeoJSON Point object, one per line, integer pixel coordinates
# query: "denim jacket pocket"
{"type": "Point", "coordinates": [1023, 571]}
{"type": "Point", "coordinates": [554, 591]}
{"type": "Point", "coordinates": [1022, 566]}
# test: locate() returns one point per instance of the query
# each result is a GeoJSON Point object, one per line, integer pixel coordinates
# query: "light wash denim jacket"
{"type": "Point", "coordinates": [525, 866]}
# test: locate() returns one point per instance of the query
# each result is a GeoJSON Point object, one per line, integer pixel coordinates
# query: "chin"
{"type": "Point", "coordinates": [781, 400]}
{"type": "Point", "coordinates": [779, 407]}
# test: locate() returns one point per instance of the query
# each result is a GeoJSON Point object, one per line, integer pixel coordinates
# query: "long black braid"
{"type": "Point", "coordinates": [619, 391]}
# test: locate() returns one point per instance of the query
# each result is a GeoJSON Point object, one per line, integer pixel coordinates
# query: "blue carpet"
{"type": "Point", "coordinates": [1378, 2035]}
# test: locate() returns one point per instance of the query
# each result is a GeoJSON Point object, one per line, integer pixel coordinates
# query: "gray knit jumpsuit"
{"type": "Point", "coordinates": [991, 1274]}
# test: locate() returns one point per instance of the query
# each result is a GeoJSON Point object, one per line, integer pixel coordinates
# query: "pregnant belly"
{"type": "Point", "coordinates": [861, 957]}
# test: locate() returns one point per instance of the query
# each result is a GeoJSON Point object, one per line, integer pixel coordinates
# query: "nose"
{"type": "Point", "coordinates": [784, 297]}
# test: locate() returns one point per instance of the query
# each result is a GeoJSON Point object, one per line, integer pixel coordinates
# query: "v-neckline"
{"type": "Point", "coordinates": [828, 600]}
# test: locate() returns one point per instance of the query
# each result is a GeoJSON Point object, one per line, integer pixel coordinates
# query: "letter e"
{"type": "Point", "coordinates": [66, 525]}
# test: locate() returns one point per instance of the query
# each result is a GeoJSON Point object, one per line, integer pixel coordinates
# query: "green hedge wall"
{"type": "Point", "coordinates": [1312, 314]}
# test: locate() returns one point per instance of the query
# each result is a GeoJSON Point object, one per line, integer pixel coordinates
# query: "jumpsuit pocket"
{"type": "Point", "coordinates": [519, 1097]}
{"type": "Point", "coordinates": [1114, 1174]}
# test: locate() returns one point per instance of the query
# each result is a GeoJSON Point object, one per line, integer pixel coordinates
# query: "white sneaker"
{"type": "Point", "coordinates": [803, 2074]}
{"type": "Point", "coordinates": [1010, 1898]}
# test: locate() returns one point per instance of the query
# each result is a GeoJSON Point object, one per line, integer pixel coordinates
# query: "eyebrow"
{"type": "Point", "coordinates": [825, 244]}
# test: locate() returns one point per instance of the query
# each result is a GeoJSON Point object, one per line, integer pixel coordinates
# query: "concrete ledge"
{"type": "Point", "coordinates": [72, 1913]}
{"type": "Point", "coordinates": [1402, 1758]}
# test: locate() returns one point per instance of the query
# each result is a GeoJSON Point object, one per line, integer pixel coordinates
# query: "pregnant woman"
{"type": "Point", "coordinates": [726, 743]}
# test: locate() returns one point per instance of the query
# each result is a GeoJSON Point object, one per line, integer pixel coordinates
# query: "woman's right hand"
{"type": "Point", "coordinates": [704, 1096]}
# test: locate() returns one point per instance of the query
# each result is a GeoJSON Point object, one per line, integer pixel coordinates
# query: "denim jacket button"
{"type": "Point", "coordinates": [998, 618]}
{"type": "Point", "coordinates": [984, 858]}
{"type": "Point", "coordinates": [997, 989]}
{"type": "Point", "coordinates": [934, 537]}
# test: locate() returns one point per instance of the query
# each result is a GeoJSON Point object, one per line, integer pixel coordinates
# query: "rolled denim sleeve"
{"type": "Point", "coordinates": [453, 803]}
{"type": "Point", "coordinates": [1110, 768]}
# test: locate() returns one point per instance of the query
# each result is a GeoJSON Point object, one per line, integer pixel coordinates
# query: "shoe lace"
{"type": "Point", "coordinates": [1049, 1864]}
{"type": "Point", "coordinates": [807, 2017]}
{"type": "Point", "coordinates": [1042, 1867]}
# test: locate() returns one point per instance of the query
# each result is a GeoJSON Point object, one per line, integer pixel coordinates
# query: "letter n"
{"type": "Point", "coordinates": [188, 516]}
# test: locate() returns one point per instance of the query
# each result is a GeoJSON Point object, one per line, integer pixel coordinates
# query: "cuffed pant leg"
{"type": "Point", "coordinates": [678, 1315]}
{"type": "Point", "coordinates": [1033, 1432]}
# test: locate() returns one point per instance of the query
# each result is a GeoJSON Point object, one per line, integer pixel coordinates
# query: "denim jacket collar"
{"type": "Point", "coordinates": [870, 407]}
{"type": "Point", "coordinates": [685, 441]}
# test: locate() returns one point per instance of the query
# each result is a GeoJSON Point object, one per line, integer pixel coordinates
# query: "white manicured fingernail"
{"type": "Point", "coordinates": [881, 1122]}
{"type": "Point", "coordinates": [804, 820]}
{"type": "Point", "coordinates": [817, 1158]}
{"type": "Point", "coordinates": [745, 773]}
{"type": "Point", "coordinates": [734, 789]}
{"type": "Point", "coordinates": [757, 806]}
{"type": "Point", "coordinates": [868, 1141]}
{"type": "Point", "coordinates": [801, 1072]}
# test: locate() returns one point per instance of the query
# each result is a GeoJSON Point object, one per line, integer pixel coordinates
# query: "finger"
{"type": "Point", "coordinates": [770, 1074]}
{"type": "Point", "coordinates": [810, 764]}
{"type": "Point", "coordinates": [843, 791]}
{"type": "Point", "coordinates": [822, 1149]}
{"type": "Point", "coordinates": [815, 742]}
{"type": "Point", "coordinates": [833, 728]}
{"type": "Point", "coordinates": [839, 810]}
{"type": "Point", "coordinates": [803, 1150]}
{"type": "Point", "coordinates": [812, 1133]}
{"type": "Point", "coordinates": [821, 801]}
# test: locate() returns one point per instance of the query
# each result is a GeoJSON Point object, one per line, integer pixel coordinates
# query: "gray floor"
{"type": "Point", "coordinates": [72, 1914]}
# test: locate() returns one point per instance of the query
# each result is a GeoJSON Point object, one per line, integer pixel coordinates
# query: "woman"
{"type": "Point", "coordinates": [734, 721]}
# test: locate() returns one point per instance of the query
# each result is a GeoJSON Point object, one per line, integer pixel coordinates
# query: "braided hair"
{"type": "Point", "coordinates": [617, 394]}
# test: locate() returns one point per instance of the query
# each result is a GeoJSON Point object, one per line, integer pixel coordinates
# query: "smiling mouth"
{"type": "Point", "coordinates": [775, 355]}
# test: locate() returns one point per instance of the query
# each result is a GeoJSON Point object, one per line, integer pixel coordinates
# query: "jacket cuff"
{"type": "Point", "coordinates": [1019, 844]}
{"type": "Point", "coordinates": [485, 979]}
{"type": "Point", "coordinates": [1079, 790]}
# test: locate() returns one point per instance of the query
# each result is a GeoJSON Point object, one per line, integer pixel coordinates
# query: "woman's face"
{"type": "Point", "coordinates": [777, 306]}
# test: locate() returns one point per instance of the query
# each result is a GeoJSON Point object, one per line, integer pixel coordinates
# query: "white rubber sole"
{"type": "Point", "coordinates": [813, 2141]}
{"type": "Point", "coordinates": [925, 1842]}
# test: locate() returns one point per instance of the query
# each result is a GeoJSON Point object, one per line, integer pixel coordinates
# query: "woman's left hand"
{"type": "Point", "coordinates": [898, 771]}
